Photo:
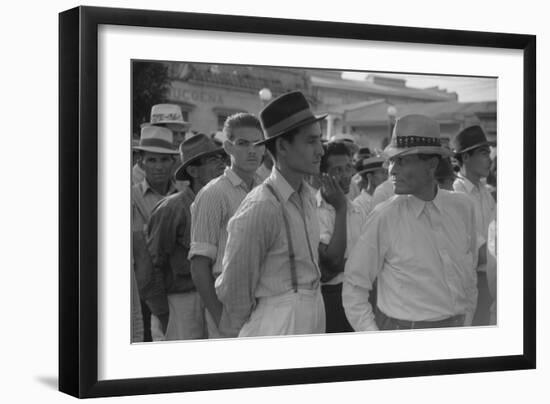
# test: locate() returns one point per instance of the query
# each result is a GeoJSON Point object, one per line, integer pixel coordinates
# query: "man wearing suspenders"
{"type": "Point", "coordinates": [270, 281]}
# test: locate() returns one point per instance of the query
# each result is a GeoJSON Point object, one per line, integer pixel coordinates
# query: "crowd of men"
{"type": "Point", "coordinates": [267, 229]}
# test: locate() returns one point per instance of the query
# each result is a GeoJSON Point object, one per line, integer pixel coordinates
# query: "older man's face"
{"type": "Point", "coordinates": [410, 174]}
{"type": "Point", "coordinates": [157, 167]}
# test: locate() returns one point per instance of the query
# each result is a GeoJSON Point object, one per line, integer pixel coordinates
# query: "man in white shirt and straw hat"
{"type": "Point", "coordinates": [420, 245]}
{"type": "Point", "coordinates": [158, 156]}
{"type": "Point", "coordinates": [167, 116]}
{"type": "Point", "coordinates": [270, 282]}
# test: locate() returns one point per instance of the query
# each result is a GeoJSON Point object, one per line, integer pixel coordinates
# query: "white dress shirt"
{"type": "Point", "coordinates": [424, 256]}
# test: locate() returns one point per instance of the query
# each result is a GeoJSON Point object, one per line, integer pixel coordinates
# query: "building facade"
{"type": "Point", "coordinates": [367, 109]}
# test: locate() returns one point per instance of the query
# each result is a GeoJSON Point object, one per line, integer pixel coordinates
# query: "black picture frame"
{"type": "Point", "coordinates": [78, 200]}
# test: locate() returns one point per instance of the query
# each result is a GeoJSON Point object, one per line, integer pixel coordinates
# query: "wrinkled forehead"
{"type": "Point", "coordinates": [249, 133]}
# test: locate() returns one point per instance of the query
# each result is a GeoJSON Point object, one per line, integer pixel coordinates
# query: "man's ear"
{"type": "Point", "coordinates": [228, 147]}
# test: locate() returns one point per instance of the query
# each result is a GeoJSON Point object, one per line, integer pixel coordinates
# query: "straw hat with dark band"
{"type": "Point", "coordinates": [415, 134]}
{"type": "Point", "coordinates": [156, 139]}
{"type": "Point", "coordinates": [285, 113]}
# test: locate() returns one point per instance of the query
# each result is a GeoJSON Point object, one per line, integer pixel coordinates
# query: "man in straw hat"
{"type": "Point", "coordinates": [167, 116]}
{"type": "Point", "coordinates": [472, 153]}
{"type": "Point", "coordinates": [372, 173]}
{"type": "Point", "coordinates": [172, 294]}
{"type": "Point", "coordinates": [216, 203]}
{"type": "Point", "coordinates": [270, 279]}
{"type": "Point", "coordinates": [157, 155]}
{"type": "Point", "coordinates": [420, 245]}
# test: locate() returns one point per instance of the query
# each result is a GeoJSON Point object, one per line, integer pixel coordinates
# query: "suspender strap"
{"type": "Point", "coordinates": [291, 256]}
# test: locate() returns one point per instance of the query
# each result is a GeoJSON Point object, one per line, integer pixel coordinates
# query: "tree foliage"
{"type": "Point", "coordinates": [150, 83]}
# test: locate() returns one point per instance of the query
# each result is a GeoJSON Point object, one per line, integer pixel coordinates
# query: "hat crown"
{"type": "Point", "coordinates": [166, 113]}
{"type": "Point", "coordinates": [469, 138]}
{"type": "Point", "coordinates": [196, 146]}
{"type": "Point", "coordinates": [155, 136]}
{"type": "Point", "coordinates": [285, 113]}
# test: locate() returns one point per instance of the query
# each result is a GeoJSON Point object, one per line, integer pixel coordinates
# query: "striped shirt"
{"type": "Point", "coordinates": [423, 255]}
{"type": "Point", "coordinates": [355, 219]}
{"type": "Point", "coordinates": [256, 263]}
{"type": "Point", "coordinates": [214, 205]}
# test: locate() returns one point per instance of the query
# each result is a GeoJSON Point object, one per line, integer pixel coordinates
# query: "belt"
{"type": "Point", "coordinates": [454, 321]}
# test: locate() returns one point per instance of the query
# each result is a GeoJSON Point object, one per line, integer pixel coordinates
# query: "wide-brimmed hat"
{"type": "Point", "coordinates": [156, 139]}
{"type": "Point", "coordinates": [168, 115]}
{"type": "Point", "coordinates": [193, 149]}
{"type": "Point", "coordinates": [469, 139]}
{"type": "Point", "coordinates": [285, 113]}
{"type": "Point", "coordinates": [369, 164]}
{"type": "Point", "coordinates": [415, 134]}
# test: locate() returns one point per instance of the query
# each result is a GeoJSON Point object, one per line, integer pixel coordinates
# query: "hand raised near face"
{"type": "Point", "coordinates": [332, 192]}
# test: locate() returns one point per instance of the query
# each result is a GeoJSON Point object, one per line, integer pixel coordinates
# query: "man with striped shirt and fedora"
{"type": "Point", "coordinates": [270, 282]}
{"type": "Point", "coordinates": [420, 245]}
{"type": "Point", "coordinates": [171, 293]}
{"type": "Point", "coordinates": [216, 203]}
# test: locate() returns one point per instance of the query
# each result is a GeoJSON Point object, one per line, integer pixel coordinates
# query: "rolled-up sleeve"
{"type": "Point", "coordinates": [251, 233]}
{"type": "Point", "coordinates": [326, 224]}
{"type": "Point", "coordinates": [362, 268]}
{"type": "Point", "coordinates": [207, 213]}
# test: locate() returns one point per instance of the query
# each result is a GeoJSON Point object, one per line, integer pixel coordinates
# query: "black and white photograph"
{"type": "Point", "coordinates": [272, 200]}
{"type": "Point", "coordinates": [252, 202]}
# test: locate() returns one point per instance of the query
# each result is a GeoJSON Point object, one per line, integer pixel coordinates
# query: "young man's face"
{"type": "Point", "coordinates": [339, 166]}
{"type": "Point", "coordinates": [157, 167]}
{"type": "Point", "coordinates": [244, 155]}
{"type": "Point", "coordinates": [479, 162]}
{"type": "Point", "coordinates": [304, 153]}
{"type": "Point", "coordinates": [378, 176]}
{"type": "Point", "coordinates": [410, 175]}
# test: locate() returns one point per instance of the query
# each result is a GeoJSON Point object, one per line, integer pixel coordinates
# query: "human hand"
{"type": "Point", "coordinates": [332, 192]}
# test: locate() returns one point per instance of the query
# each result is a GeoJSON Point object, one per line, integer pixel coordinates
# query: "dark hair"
{"type": "Point", "coordinates": [240, 120]}
{"type": "Point", "coordinates": [425, 157]}
{"type": "Point", "coordinates": [458, 157]}
{"type": "Point", "coordinates": [444, 169]}
{"type": "Point", "coordinates": [333, 149]}
{"type": "Point", "coordinates": [271, 145]}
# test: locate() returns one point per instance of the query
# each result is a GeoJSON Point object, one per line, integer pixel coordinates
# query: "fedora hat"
{"type": "Point", "coordinates": [156, 139]}
{"type": "Point", "coordinates": [285, 113]}
{"type": "Point", "coordinates": [369, 164]}
{"type": "Point", "coordinates": [168, 115]}
{"type": "Point", "coordinates": [469, 139]}
{"type": "Point", "coordinates": [194, 148]}
{"type": "Point", "coordinates": [415, 134]}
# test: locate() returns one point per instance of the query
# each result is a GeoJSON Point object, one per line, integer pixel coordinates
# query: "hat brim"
{"type": "Point", "coordinates": [174, 125]}
{"type": "Point", "coordinates": [391, 151]}
{"type": "Point", "coordinates": [292, 127]}
{"type": "Point", "coordinates": [369, 170]}
{"type": "Point", "coordinates": [180, 173]}
{"type": "Point", "coordinates": [467, 149]}
{"type": "Point", "coordinates": [159, 150]}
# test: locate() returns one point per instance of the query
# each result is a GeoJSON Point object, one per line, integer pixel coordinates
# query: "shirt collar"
{"type": "Point", "coordinates": [237, 181]}
{"type": "Point", "coordinates": [284, 188]}
{"type": "Point", "coordinates": [145, 187]}
{"type": "Point", "coordinates": [469, 185]}
{"type": "Point", "coordinates": [417, 205]}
